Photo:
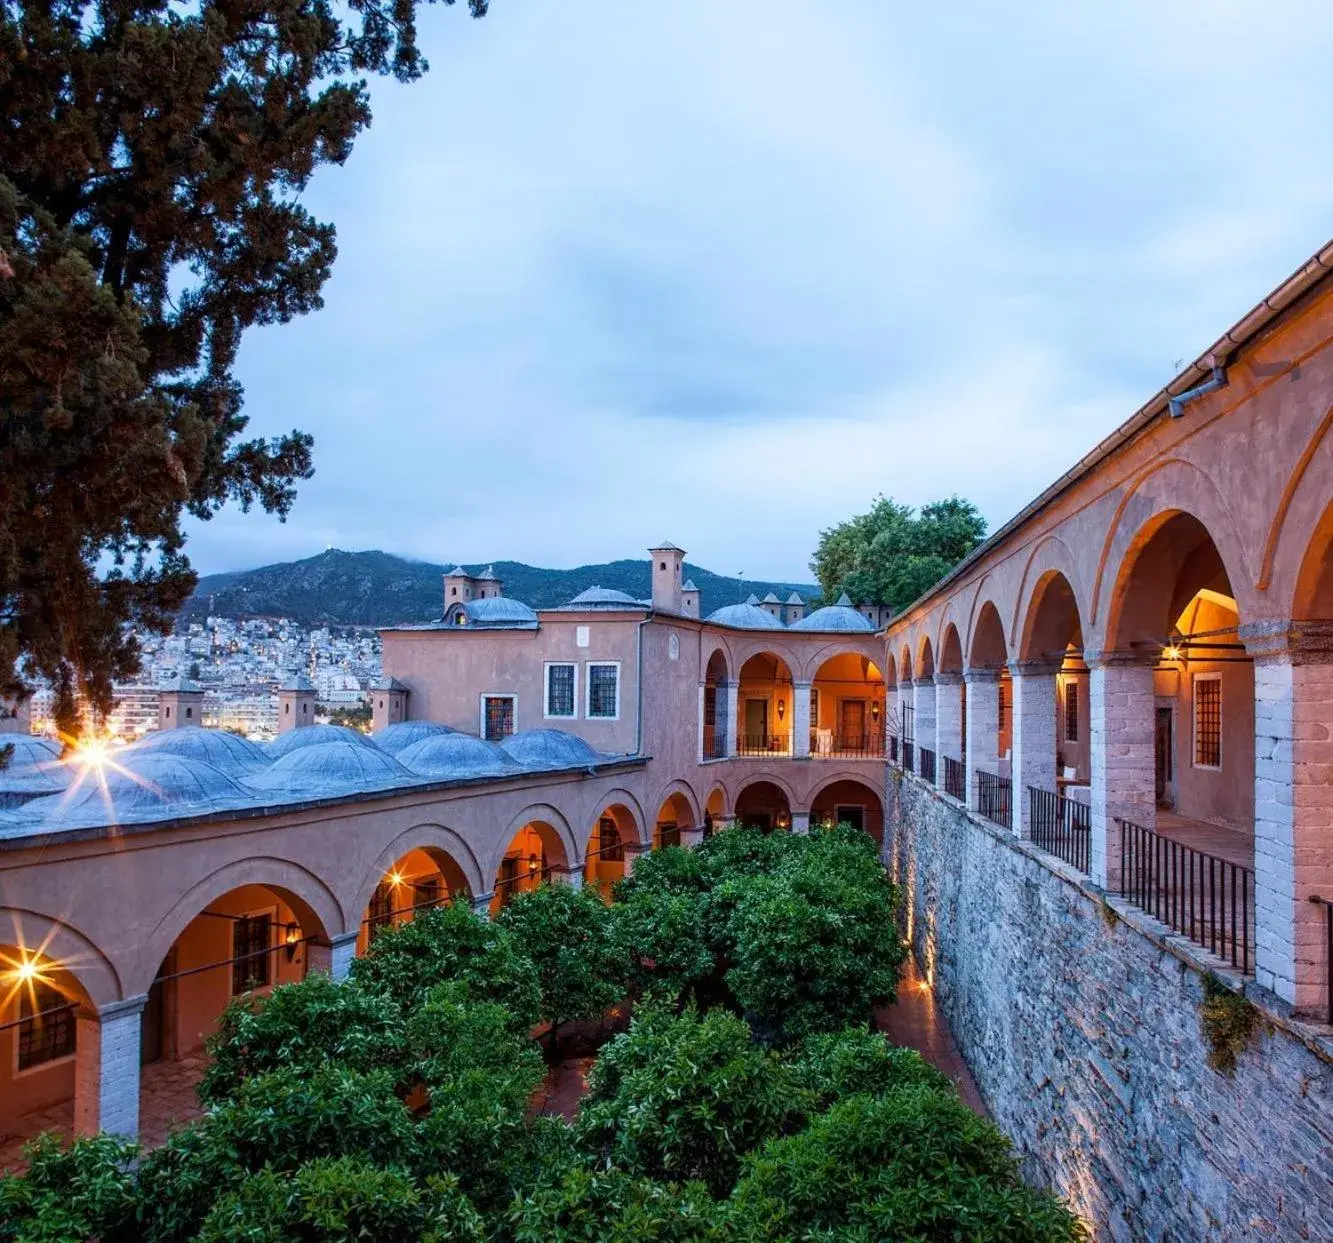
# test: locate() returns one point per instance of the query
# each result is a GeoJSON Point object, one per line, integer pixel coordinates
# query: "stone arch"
{"type": "Point", "coordinates": [559, 836]}
{"type": "Point", "coordinates": [987, 649]}
{"type": "Point", "coordinates": [681, 788]}
{"type": "Point", "coordinates": [717, 668]}
{"type": "Point", "coordinates": [1052, 620]}
{"type": "Point", "coordinates": [756, 804]}
{"type": "Point", "coordinates": [316, 908]}
{"type": "Point", "coordinates": [77, 966]}
{"type": "Point", "coordinates": [905, 665]}
{"type": "Point", "coordinates": [1312, 599]}
{"type": "Point", "coordinates": [1048, 554]}
{"type": "Point", "coordinates": [1167, 488]}
{"type": "Point", "coordinates": [1301, 501]}
{"type": "Point", "coordinates": [890, 670]}
{"type": "Point", "coordinates": [925, 657]}
{"type": "Point", "coordinates": [778, 780]}
{"type": "Point", "coordinates": [821, 655]}
{"type": "Point", "coordinates": [717, 804]}
{"type": "Point", "coordinates": [951, 650]}
{"type": "Point", "coordinates": [446, 849]}
{"type": "Point", "coordinates": [619, 797]}
{"type": "Point", "coordinates": [848, 787]}
{"type": "Point", "coordinates": [766, 644]}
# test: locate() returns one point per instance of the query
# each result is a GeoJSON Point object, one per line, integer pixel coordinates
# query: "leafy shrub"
{"type": "Point", "coordinates": [83, 1192]}
{"type": "Point", "coordinates": [672, 868]}
{"type": "Point", "coordinates": [609, 1206]}
{"type": "Point", "coordinates": [1228, 1020]}
{"type": "Point", "coordinates": [665, 941]}
{"type": "Point", "coordinates": [566, 933]}
{"type": "Point", "coordinates": [450, 1038]}
{"type": "Point", "coordinates": [683, 1098]}
{"type": "Point", "coordinates": [840, 1064]}
{"type": "Point", "coordinates": [451, 943]}
{"type": "Point", "coordinates": [307, 1024]}
{"type": "Point", "coordinates": [914, 1165]}
{"type": "Point", "coordinates": [340, 1199]}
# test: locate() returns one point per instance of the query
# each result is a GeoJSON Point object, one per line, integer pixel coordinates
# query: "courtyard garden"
{"type": "Point", "coordinates": [738, 1091]}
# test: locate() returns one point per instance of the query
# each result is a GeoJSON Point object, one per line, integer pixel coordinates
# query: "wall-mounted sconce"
{"type": "Point", "coordinates": [783, 820]}
{"type": "Point", "coordinates": [782, 708]}
{"type": "Point", "coordinates": [1171, 652]}
{"type": "Point", "coordinates": [874, 710]}
{"type": "Point", "coordinates": [293, 939]}
{"type": "Point", "coordinates": [533, 863]}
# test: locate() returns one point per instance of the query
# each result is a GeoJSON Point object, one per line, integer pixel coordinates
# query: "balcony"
{"type": "Point", "coordinates": [833, 744]}
{"type": "Point", "coordinates": [763, 746]}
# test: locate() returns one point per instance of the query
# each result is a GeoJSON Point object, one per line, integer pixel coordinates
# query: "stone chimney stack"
{"type": "Point", "coordinates": [180, 702]}
{"type": "Point", "coordinates": [459, 587]}
{"type": "Point", "coordinates": [16, 715]}
{"type": "Point", "coordinates": [689, 599]}
{"type": "Point", "coordinates": [794, 609]}
{"type": "Point", "coordinates": [667, 584]}
{"type": "Point", "coordinates": [388, 703]}
{"type": "Point", "coordinates": [296, 704]}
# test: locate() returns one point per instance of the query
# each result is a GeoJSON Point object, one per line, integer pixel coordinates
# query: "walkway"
{"type": "Point", "coordinates": [915, 1022]}
{"type": "Point", "coordinates": [1233, 845]}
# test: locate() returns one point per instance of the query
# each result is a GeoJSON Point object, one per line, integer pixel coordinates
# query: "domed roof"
{"type": "Point", "coordinates": [131, 786]}
{"type": "Point", "coordinates": [840, 616]}
{"type": "Point", "coordinates": [328, 769]}
{"type": "Point", "coordinates": [745, 616]}
{"type": "Point", "coordinates": [314, 736]}
{"type": "Point", "coordinates": [500, 612]}
{"type": "Point", "coordinates": [29, 749]}
{"type": "Point", "coordinates": [457, 755]}
{"type": "Point", "coordinates": [394, 739]}
{"type": "Point", "coordinates": [549, 748]}
{"type": "Point", "coordinates": [603, 598]}
{"type": "Point", "coordinates": [227, 752]}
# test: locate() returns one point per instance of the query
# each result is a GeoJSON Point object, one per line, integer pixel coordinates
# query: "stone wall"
{"type": "Point", "coordinates": [1080, 1020]}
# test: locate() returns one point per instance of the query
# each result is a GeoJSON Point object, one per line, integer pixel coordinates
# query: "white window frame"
{"type": "Point", "coordinates": [1194, 721]}
{"type": "Point", "coordinates": [587, 689]}
{"type": "Point", "coordinates": [481, 709]}
{"type": "Point", "coordinates": [547, 714]}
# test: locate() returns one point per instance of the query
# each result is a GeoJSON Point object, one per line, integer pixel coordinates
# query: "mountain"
{"type": "Point", "coordinates": [378, 589]}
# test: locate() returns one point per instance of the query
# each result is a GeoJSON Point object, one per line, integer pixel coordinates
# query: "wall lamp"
{"type": "Point", "coordinates": [782, 708]}
{"type": "Point", "coordinates": [293, 939]}
{"type": "Point", "coordinates": [533, 863]}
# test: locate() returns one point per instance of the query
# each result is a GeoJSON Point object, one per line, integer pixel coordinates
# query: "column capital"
{"type": "Point", "coordinates": [799, 682]}
{"type": "Point", "coordinates": [482, 901]}
{"type": "Point", "coordinates": [982, 673]}
{"type": "Point", "coordinates": [948, 679]}
{"type": "Point", "coordinates": [117, 1009]}
{"type": "Point", "coordinates": [1120, 658]}
{"type": "Point", "coordinates": [1283, 641]}
{"type": "Point", "coordinates": [1034, 668]}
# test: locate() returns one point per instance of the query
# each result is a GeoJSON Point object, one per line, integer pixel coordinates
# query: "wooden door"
{"type": "Point", "coordinates": [852, 722]}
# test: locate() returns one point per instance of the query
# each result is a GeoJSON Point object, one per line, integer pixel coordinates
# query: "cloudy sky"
{"type": "Point", "coordinates": [720, 272]}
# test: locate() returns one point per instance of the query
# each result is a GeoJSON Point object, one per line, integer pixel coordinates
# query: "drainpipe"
{"type": "Point", "coordinates": [638, 674]}
{"type": "Point", "coordinates": [1178, 403]}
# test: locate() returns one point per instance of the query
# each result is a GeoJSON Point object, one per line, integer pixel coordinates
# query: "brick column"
{"type": "Point", "coordinates": [923, 701]}
{"type": "Point", "coordinates": [333, 957]}
{"type": "Point", "coordinates": [948, 720]}
{"type": "Point", "coordinates": [800, 719]}
{"type": "Point", "coordinates": [800, 822]}
{"type": "Point", "coordinates": [106, 1069]}
{"type": "Point", "coordinates": [1123, 749]}
{"type": "Point", "coordinates": [1034, 708]}
{"type": "Point", "coordinates": [728, 707]}
{"type": "Point", "coordinates": [1293, 806]}
{"type": "Point", "coordinates": [983, 726]}
{"type": "Point", "coordinates": [691, 837]}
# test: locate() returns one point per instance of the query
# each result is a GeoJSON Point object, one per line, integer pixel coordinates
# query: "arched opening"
{"type": "Point", "coordinates": [1174, 606]}
{"type": "Point", "coordinates": [419, 880]}
{"type": "Point", "coordinates": [989, 650]}
{"type": "Point", "coordinates": [245, 942]}
{"type": "Point", "coordinates": [675, 822]}
{"type": "Point", "coordinates": [847, 705]}
{"type": "Point", "coordinates": [1053, 635]}
{"type": "Point", "coordinates": [951, 651]}
{"type": "Point", "coordinates": [1314, 585]}
{"type": "Point", "coordinates": [39, 1004]}
{"type": "Point", "coordinates": [715, 706]}
{"type": "Point", "coordinates": [763, 805]}
{"type": "Point", "coordinates": [923, 714]}
{"type": "Point", "coordinates": [614, 830]}
{"type": "Point", "coordinates": [536, 854]}
{"type": "Point", "coordinates": [715, 811]}
{"type": "Point", "coordinates": [765, 706]}
{"type": "Point", "coordinates": [849, 802]}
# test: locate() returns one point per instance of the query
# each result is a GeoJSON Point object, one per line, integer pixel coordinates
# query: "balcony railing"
{"type": "Point", "coordinates": [895, 749]}
{"type": "Point", "coordinates": [909, 756]}
{"type": "Point", "coordinates": [1061, 827]}
{"type": "Point", "coordinates": [856, 746]}
{"type": "Point", "coordinates": [955, 778]}
{"type": "Point", "coordinates": [763, 744]}
{"type": "Point", "coordinates": [715, 744]}
{"type": "Point", "coordinates": [1207, 899]}
{"type": "Point", "coordinates": [995, 798]}
{"type": "Point", "coordinates": [927, 766]}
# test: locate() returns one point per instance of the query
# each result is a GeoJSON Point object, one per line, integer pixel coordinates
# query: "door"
{"type": "Point", "coordinates": [756, 724]}
{"type": "Point", "coordinates": [1165, 766]}
{"type": "Point", "coordinates": [855, 815]}
{"type": "Point", "coordinates": [852, 724]}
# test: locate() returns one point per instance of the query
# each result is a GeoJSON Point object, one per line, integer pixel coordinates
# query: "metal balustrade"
{"type": "Point", "coordinates": [715, 744]}
{"type": "Point", "coordinates": [909, 756]}
{"type": "Point", "coordinates": [995, 798]}
{"type": "Point", "coordinates": [1207, 899]}
{"type": "Point", "coordinates": [955, 778]}
{"type": "Point", "coordinates": [894, 749]}
{"type": "Point", "coordinates": [926, 767]}
{"type": "Point", "coordinates": [766, 745]}
{"type": "Point", "coordinates": [861, 746]}
{"type": "Point", "coordinates": [1061, 827]}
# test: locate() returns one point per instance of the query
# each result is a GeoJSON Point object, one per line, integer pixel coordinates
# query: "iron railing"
{"type": "Point", "coordinates": [867, 746]}
{"type": "Point", "coordinates": [763, 744]}
{"type": "Point", "coordinates": [715, 744]}
{"type": "Point", "coordinates": [995, 798]}
{"type": "Point", "coordinates": [1061, 827]}
{"type": "Point", "coordinates": [1207, 899]}
{"type": "Point", "coordinates": [926, 769]}
{"type": "Point", "coordinates": [955, 778]}
{"type": "Point", "coordinates": [894, 749]}
{"type": "Point", "coordinates": [909, 756]}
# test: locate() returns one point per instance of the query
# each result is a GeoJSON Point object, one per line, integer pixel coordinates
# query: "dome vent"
{"type": "Point", "coordinates": [457, 755]}
{"type": "Point", "coordinates": [329, 769]}
{"type": "Point", "coordinates": [396, 738]}
{"type": "Point", "coordinates": [549, 748]}
{"type": "Point", "coordinates": [229, 753]}
{"type": "Point", "coordinates": [314, 736]}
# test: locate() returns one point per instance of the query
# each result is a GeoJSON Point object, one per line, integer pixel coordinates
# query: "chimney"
{"type": "Point", "coordinates": [388, 703]}
{"type": "Point", "coordinates": [689, 599]}
{"type": "Point", "coordinates": [16, 715]}
{"type": "Point", "coordinates": [296, 704]}
{"type": "Point", "coordinates": [667, 587]}
{"type": "Point", "coordinates": [180, 702]}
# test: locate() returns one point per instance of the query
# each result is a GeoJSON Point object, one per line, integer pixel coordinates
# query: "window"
{"type": "Point", "coordinates": [46, 1032]}
{"type": "Point", "coordinates": [497, 717]}
{"type": "Point", "coordinates": [426, 893]}
{"type": "Point", "coordinates": [582, 636]}
{"type": "Point", "coordinates": [252, 964]}
{"type": "Point", "coordinates": [814, 707]}
{"type": "Point", "coordinates": [604, 691]}
{"type": "Point", "coordinates": [561, 694]}
{"type": "Point", "coordinates": [1002, 707]}
{"type": "Point", "coordinates": [381, 910]}
{"type": "Point", "coordinates": [1071, 711]}
{"type": "Point", "coordinates": [1207, 720]}
{"type": "Point", "coordinates": [609, 845]}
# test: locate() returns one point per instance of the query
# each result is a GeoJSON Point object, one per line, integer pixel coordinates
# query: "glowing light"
{"type": "Point", "coordinates": [395, 877]}
{"type": "Point", "coordinates": [924, 986]}
{"type": "Point", "coordinates": [1171, 653]}
{"type": "Point", "coordinates": [26, 971]}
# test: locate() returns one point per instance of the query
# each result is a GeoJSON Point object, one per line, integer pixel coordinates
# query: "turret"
{"type": "Point", "coordinates": [772, 605]}
{"type": "Point", "coordinates": [296, 704]}
{"type": "Point", "coordinates": [667, 563]}
{"type": "Point", "coordinates": [180, 702]}
{"type": "Point", "coordinates": [794, 609]}
{"type": "Point", "coordinates": [459, 587]}
{"type": "Point", "coordinates": [689, 599]}
{"type": "Point", "coordinates": [388, 703]}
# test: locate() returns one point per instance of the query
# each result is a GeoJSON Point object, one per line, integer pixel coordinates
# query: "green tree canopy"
{"type": "Point", "coordinates": [892, 554]}
{"type": "Point", "coordinates": [152, 162]}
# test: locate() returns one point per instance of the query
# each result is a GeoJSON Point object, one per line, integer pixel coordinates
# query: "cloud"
{"type": "Point", "coordinates": [720, 273]}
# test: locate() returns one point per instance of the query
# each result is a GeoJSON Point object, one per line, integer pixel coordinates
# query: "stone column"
{"type": "Point", "coordinates": [923, 699]}
{"type": "Point", "coordinates": [571, 876]}
{"type": "Point", "coordinates": [983, 726]}
{"type": "Point", "coordinates": [691, 837]}
{"type": "Point", "coordinates": [728, 720]}
{"type": "Point", "coordinates": [1035, 695]}
{"type": "Point", "coordinates": [800, 822]}
{"type": "Point", "coordinates": [703, 692]}
{"type": "Point", "coordinates": [1123, 750]}
{"type": "Point", "coordinates": [1293, 806]}
{"type": "Point", "coordinates": [106, 1069]}
{"type": "Point", "coordinates": [948, 720]}
{"type": "Point", "coordinates": [632, 852]}
{"type": "Point", "coordinates": [800, 719]}
{"type": "Point", "coordinates": [892, 721]}
{"type": "Point", "coordinates": [333, 956]}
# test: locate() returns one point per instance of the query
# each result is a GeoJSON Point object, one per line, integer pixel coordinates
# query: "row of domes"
{"type": "Point", "coordinates": [751, 615]}
{"type": "Point", "coordinates": [196, 770]}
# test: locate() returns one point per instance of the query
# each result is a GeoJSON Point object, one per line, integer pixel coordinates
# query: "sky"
{"type": "Point", "coordinates": [721, 273]}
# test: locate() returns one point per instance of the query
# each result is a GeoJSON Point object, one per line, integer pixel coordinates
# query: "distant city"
{"type": "Point", "coordinates": [239, 664]}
